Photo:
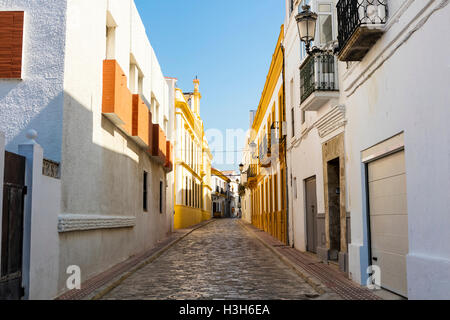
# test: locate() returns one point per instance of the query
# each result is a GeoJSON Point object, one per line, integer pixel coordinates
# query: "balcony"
{"type": "Point", "coordinates": [252, 175]}
{"type": "Point", "coordinates": [265, 152]}
{"type": "Point", "coordinates": [252, 171]}
{"type": "Point", "coordinates": [158, 147]}
{"type": "Point", "coordinates": [318, 81]}
{"type": "Point", "coordinates": [361, 24]}
{"type": "Point", "coordinates": [117, 104]}
{"type": "Point", "coordinates": [169, 157]}
{"type": "Point", "coordinates": [142, 122]}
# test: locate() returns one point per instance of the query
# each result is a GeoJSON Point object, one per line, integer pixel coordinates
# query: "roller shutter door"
{"type": "Point", "coordinates": [389, 220]}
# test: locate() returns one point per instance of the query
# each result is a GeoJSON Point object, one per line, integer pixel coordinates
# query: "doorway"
{"type": "Point", "coordinates": [311, 214]}
{"type": "Point", "coordinates": [334, 207]}
{"type": "Point", "coordinates": [12, 228]}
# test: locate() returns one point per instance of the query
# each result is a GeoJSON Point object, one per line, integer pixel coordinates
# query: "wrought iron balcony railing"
{"type": "Point", "coordinates": [252, 171]}
{"type": "Point", "coordinates": [318, 73]}
{"type": "Point", "coordinates": [353, 14]}
{"type": "Point", "coordinates": [264, 151]}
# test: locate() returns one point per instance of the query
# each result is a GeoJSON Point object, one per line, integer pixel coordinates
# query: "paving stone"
{"type": "Point", "coordinates": [219, 261]}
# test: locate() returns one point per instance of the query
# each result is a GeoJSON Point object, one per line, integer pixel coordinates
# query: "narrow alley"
{"type": "Point", "coordinates": [222, 260]}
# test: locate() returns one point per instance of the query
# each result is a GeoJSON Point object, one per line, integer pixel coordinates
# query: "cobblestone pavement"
{"type": "Point", "coordinates": [219, 261]}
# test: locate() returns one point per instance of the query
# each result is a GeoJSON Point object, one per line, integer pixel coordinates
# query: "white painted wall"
{"type": "Point", "coordinates": [60, 96]}
{"type": "Point", "coordinates": [36, 101]}
{"type": "Point", "coordinates": [304, 154]}
{"type": "Point", "coordinates": [44, 255]}
{"type": "Point", "coordinates": [400, 86]}
{"type": "Point", "coordinates": [109, 180]}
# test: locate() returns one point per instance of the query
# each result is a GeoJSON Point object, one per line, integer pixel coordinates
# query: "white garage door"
{"type": "Point", "coordinates": [389, 220]}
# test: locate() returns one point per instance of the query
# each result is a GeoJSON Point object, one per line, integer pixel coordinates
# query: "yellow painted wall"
{"type": "Point", "coordinates": [186, 217]}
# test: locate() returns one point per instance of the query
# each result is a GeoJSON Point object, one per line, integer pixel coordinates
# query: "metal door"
{"type": "Point", "coordinates": [12, 228]}
{"type": "Point", "coordinates": [311, 214]}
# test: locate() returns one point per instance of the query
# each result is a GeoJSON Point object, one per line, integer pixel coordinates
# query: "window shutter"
{"type": "Point", "coordinates": [11, 42]}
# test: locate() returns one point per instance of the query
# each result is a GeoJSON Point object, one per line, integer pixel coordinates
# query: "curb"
{"type": "Point", "coordinates": [312, 281]}
{"type": "Point", "coordinates": [114, 283]}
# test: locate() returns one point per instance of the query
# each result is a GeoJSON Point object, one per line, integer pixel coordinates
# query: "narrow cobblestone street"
{"type": "Point", "coordinates": [219, 261]}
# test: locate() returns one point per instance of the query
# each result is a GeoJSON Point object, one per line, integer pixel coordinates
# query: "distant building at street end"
{"type": "Point", "coordinates": [221, 207]}
{"type": "Point", "coordinates": [192, 161]}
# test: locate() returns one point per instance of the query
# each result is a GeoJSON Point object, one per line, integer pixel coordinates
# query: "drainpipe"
{"type": "Point", "coordinates": [285, 149]}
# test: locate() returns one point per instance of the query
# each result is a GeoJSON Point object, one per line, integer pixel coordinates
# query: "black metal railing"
{"type": "Point", "coordinates": [252, 171]}
{"type": "Point", "coordinates": [264, 149]}
{"type": "Point", "coordinates": [318, 73]}
{"type": "Point", "coordinates": [51, 168]}
{"type": "Point", "coordinates": [355, 13]}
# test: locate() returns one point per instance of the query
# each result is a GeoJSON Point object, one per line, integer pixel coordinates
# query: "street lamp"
{"type": "Point", "coordinates": [306, 23]}
{"type": "Point", "coordinates": [253, 148]}
{"type": "Point", "coordinates": [241, 167]}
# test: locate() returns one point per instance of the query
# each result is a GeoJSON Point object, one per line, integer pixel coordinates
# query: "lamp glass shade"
{"type": "Point", "coordinates": [253, 147]}
{"type": "Point", "coordinates": [306, 23]}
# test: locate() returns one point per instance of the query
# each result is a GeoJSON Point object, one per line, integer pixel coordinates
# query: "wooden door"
{"type": "Point", "coordinates": [12, 228]}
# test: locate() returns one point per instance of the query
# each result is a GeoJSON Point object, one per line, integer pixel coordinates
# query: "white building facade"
{"type": "Point", "coordinates": [378, 152]}
{"type": "Point", "coordinates": [220, 185]}
{"type": "Point", "coordinates": [92, 88]}
{"type": "Point", "coordinates": [316, 125]}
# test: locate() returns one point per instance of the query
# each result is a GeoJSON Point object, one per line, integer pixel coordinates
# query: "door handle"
{"type": "Point", "coordinates": [375, 259]}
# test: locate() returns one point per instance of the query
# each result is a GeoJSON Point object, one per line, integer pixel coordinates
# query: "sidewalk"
{"type": "Point", "coordinates": [322, 277]}
{"type": "Point", "coordinates": [96, 287]}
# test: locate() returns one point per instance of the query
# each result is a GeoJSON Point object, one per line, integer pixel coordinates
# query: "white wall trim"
{"type": "Point", "coordinates": [331, 121]}
{"type": "Point", "coordinates": [384, 148]}
{"type": "Point", "coordinates": [81, 222]}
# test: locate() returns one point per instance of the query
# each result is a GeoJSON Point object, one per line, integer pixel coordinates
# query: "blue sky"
{"type": "Point", "coordinates": [227, 44]}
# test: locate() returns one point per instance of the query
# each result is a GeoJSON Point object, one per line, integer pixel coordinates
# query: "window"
{"type": "Point", "coordinates": [291, 91]}
{"type": "Point", "coordinates": [161, 197]}
{"type": "Point", "coordinates": [275, 180]}
{"type": "Point", "coordinates": [155, 111]}
{"type": "Point", "coordinates": [141, 84]}
{"type": "Point", "coordinates": [282, 184]}
{"type": "Point", "coordinates": [11, 41]}
{"type": "Point", "coordinates": [145, 192]}
{"type": "Point", "coordinates": [166, 126]}
{"type": "Point", "coordinates": [295, 188]}
{"type": "Point", "coordinates": [186, 196]}
{"type": "Point", "coordinates": [110, 43]}
{"type": "Point", "coordinates": [325, 23]}
{"type": "Point", "coordinates": [293, 121]}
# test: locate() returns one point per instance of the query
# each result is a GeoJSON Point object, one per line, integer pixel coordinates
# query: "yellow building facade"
{"type": "Point", "coordinates": [265, 173]}
{"type": "Point", "coordinates": [192, 162]}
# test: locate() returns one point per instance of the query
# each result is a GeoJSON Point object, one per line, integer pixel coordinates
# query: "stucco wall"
{"type": "Point", "coordinates": [44, 264]}
{"type": "Point", "coordinates": [400, 87]}
{"type": "Point", "coordinates": [304, 157]}
{"type": "Point", "coordinates": [102, 168]}
{"type": "Point", "coordinates": [36, 101]}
